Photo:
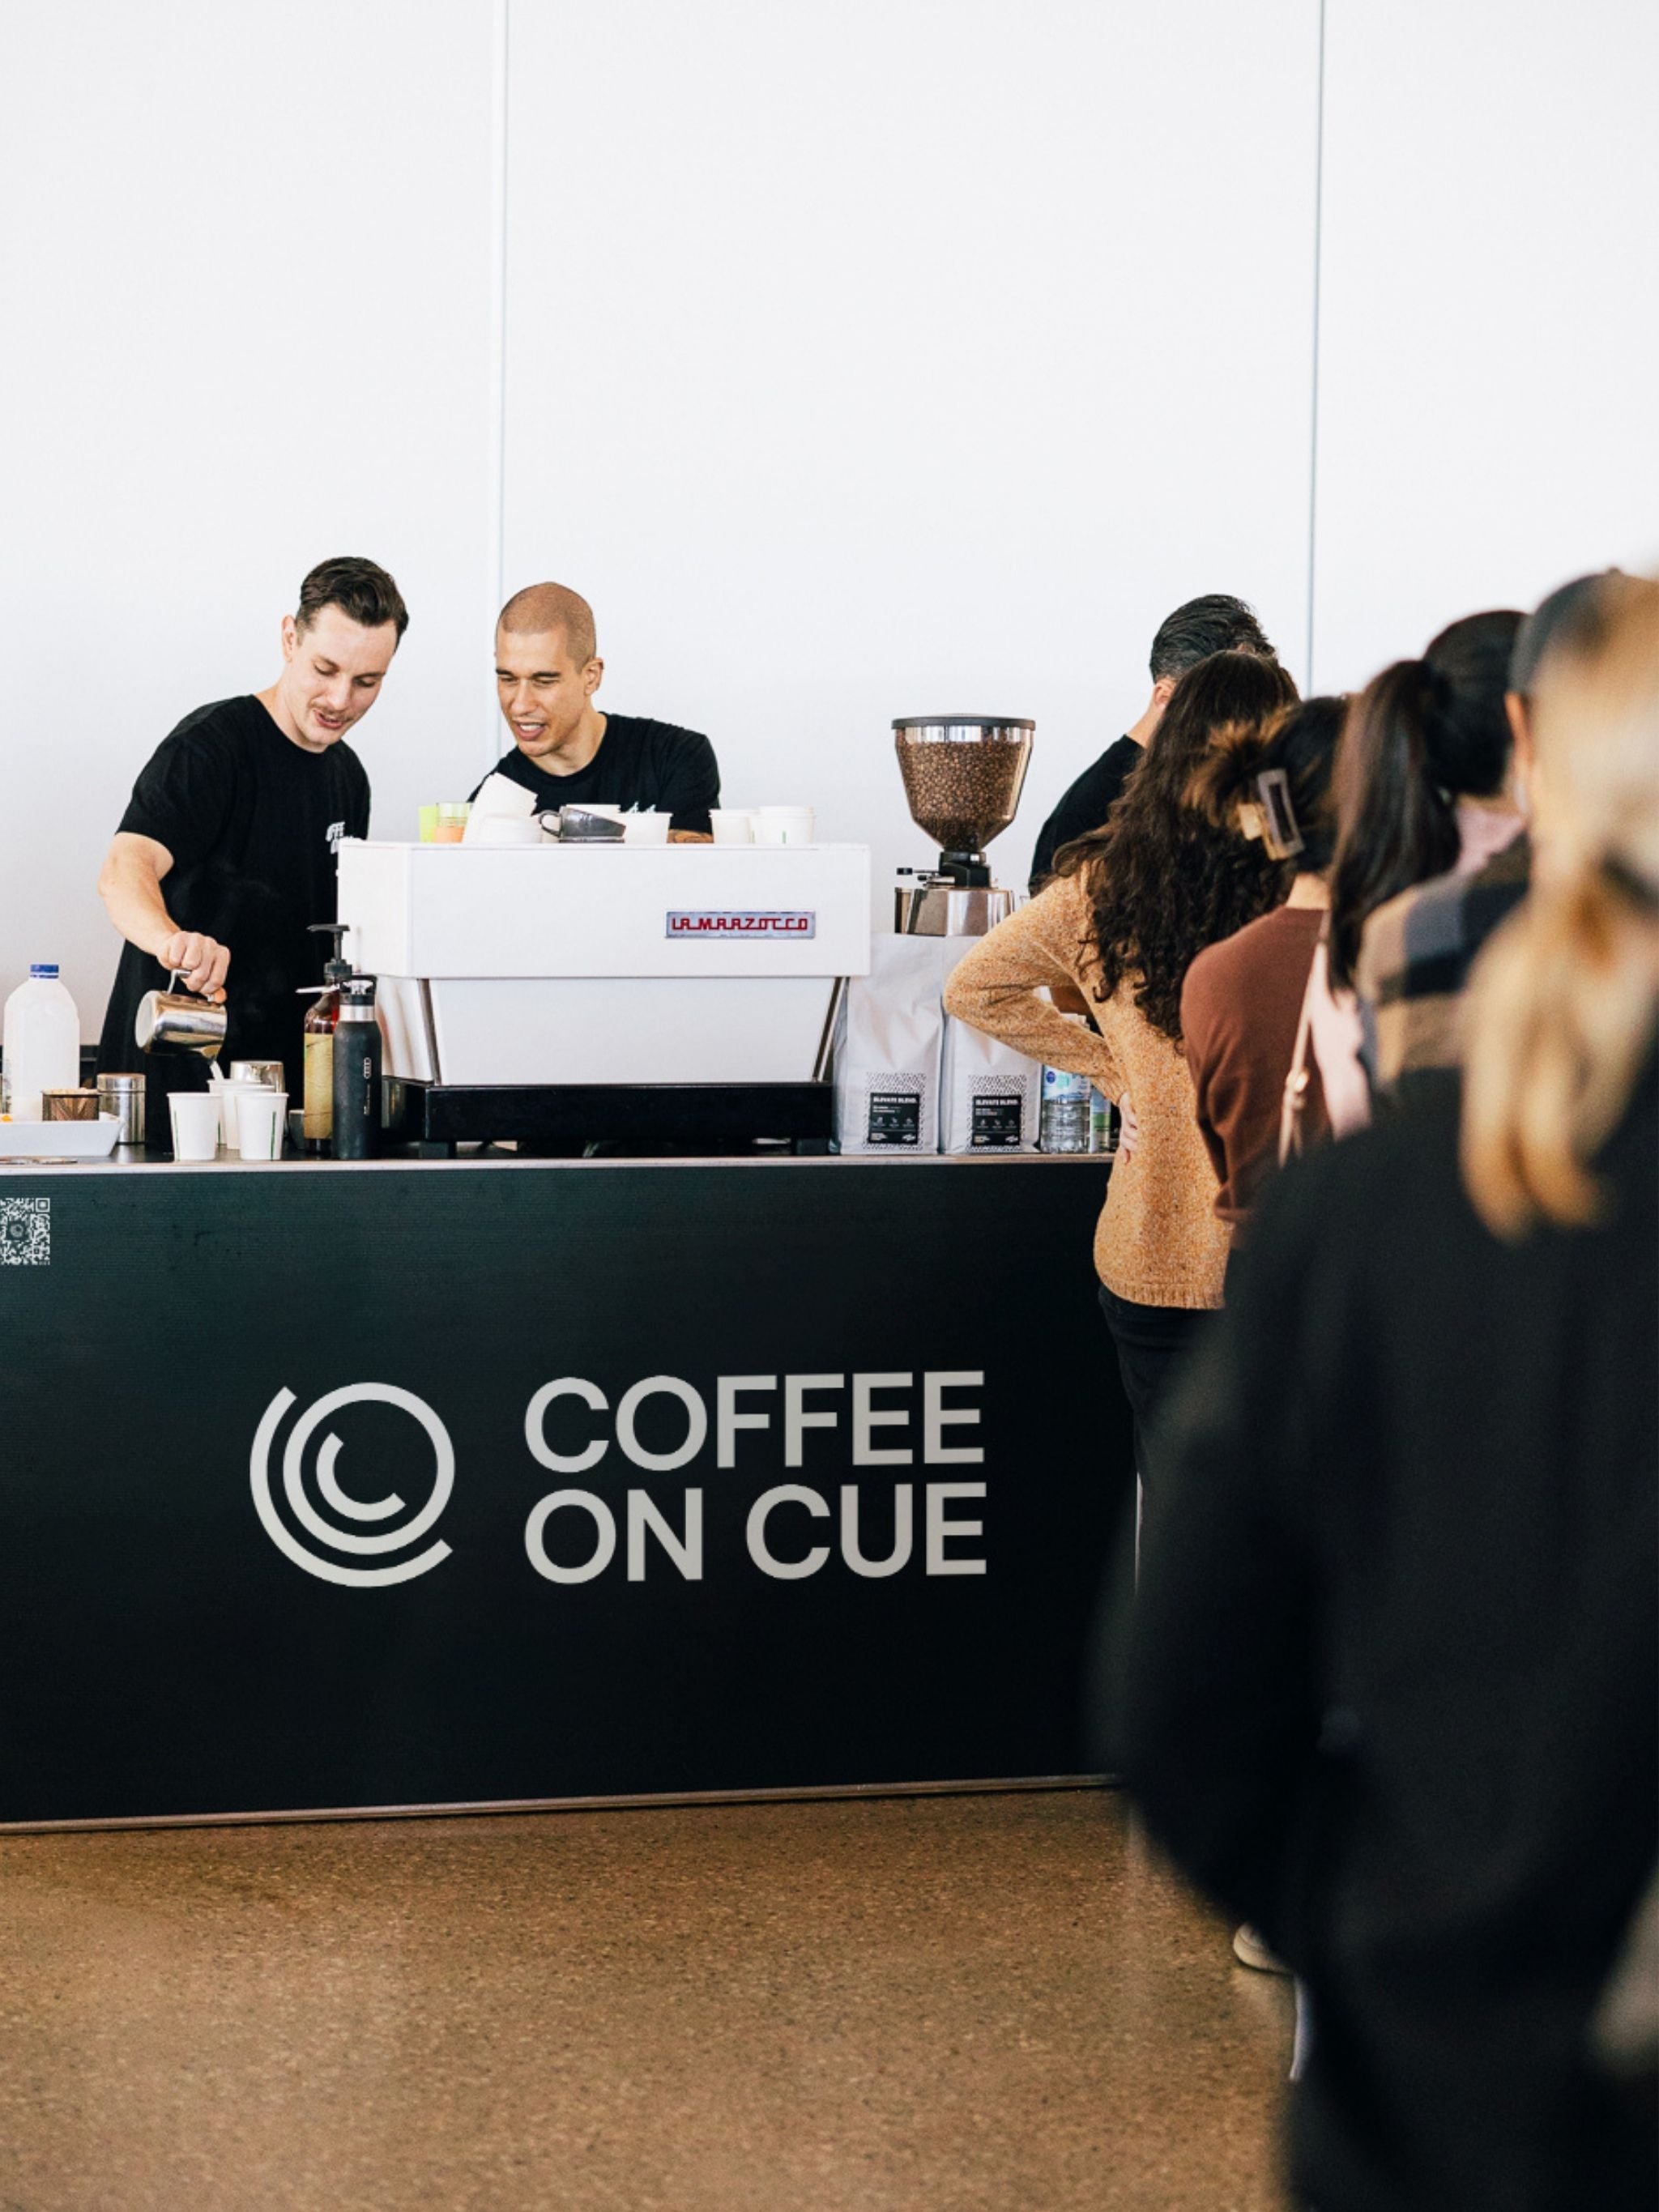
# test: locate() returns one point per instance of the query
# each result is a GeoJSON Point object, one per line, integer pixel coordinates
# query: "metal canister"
{"type": "Point", "coordinates": [270, 1072]}
{"type": "Point", "coordinates": [69, 1105]}
{"type": "Point", "coordinates": [122, 1096]}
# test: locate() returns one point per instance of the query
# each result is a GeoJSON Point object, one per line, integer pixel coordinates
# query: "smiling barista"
{"type": "Point", "coordinates": [226, 853]}
{"type": "Point", "coordinates": [568, 753]}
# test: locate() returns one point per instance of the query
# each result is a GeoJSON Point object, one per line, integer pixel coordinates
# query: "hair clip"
{"type": "Point", "coordinates": [1280, 831]}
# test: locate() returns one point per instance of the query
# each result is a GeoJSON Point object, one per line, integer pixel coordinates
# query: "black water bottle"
{"type": "Point", "coordinates": [357, 1072]}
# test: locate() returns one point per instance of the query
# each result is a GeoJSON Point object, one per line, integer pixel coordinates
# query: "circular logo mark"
{"type": "Point", "coordinates": [352, 1541]}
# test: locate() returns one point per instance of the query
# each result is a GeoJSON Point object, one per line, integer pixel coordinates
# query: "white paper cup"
{"type": "Point", "coordinates": [733, 825]}
{"type": "Point", "coordinates": [500, 795]}
{"type": "Point", "coordinates": [784, 825]}
{"type": "Point", "coordinates": [195, 1115]}
{"type": "Point", "coordinates": [646, 828]}
{"type": "Point", "coordinates": [229, 1095]}
{"type": "Point", "coordinates": [260, 1120]}
{"type": "Point", "coordinates": [508, 830]}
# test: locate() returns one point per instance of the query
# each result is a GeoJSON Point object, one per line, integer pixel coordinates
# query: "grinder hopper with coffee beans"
{"type": "Point", "coordinates": [963, 777]}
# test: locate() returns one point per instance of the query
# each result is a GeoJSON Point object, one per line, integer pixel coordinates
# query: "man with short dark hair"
{"type": "Point", "coordinates": [238, 813]}
{"type": "Point", "coordinates": [1216, 624]}
{"type": "Point", "coordinates": [565, 750]}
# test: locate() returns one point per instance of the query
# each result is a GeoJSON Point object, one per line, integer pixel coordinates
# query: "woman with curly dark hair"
{"type": "Point", "coordinates": [1129, 909]}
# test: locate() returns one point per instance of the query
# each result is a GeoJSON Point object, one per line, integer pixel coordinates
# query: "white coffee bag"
{"type": "Point", "coordinates": [991, 1096]}
{"type": "Point", "coordinates": [887, 1047]}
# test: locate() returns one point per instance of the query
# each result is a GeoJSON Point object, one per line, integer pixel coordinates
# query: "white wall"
{"type": "Point", "coordinates": [862, 357]}
{"type": "Point", "coordinates": [245, 277]}
{"type": "Point", "coordinates": [1489, 318]}
{"type": "Point", "coordinates": [870, 359]}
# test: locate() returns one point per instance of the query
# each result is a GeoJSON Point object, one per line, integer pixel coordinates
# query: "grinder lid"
{"type": "Point", "coordinates": [965, 722]}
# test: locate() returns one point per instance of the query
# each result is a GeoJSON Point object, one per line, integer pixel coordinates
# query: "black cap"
{"type": "Point", "coordinates": [335, 968]}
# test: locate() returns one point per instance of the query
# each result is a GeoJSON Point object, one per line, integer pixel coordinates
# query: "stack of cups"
{"type": "Point", "coordinates": [261, 1119]}
{"type": "Point", "coordinates": [255, 1109]}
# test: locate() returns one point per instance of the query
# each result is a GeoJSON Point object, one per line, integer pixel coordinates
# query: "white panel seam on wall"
{"type": "Point", "coordinates": [1313, 389]}
{"type": "Point", "coordinates": [495, 546]}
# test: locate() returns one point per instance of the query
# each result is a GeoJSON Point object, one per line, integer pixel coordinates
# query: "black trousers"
{"type": "Point", "coordinates": [1153, 1343]}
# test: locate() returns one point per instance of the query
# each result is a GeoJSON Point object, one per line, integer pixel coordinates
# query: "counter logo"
{"type": "Point", "coordinates": [349, 1509]}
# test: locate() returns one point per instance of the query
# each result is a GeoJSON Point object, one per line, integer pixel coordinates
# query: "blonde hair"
{"type": "Point", "coordinates": [1562, 1002]}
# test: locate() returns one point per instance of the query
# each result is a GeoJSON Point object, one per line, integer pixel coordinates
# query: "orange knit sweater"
{"type": "Point", "coordinates": [1158, 1242]}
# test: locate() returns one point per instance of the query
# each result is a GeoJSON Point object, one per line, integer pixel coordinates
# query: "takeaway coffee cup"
{"type": "Point", "coordinates": [195, 1125]}
{"type": "Point", "coordinates": [733, 825]}
{"type": "Point", "coordinates": [230, 1096]}
{"type": "Point", "coordinates": [646, 828]}
{"type": "Point", "coordinates": [260, 1120]}
{"type": "Point", "coordinates": [784, 825]}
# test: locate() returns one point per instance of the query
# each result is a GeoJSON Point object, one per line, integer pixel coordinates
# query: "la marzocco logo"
{"type": "Point", "coordinates": [366, 1537]}
{"type": "Point", "coordinates": [743, 924]}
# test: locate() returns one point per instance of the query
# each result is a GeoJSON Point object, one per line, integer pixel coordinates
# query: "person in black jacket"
{"type": "Point", "coordinates": [1394, 1690]}
{"type": "Point", "coordinates": [1217, 623]}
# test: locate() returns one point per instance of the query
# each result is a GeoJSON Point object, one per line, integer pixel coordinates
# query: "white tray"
{"type": "Point", "coordinates": [59, 1140]}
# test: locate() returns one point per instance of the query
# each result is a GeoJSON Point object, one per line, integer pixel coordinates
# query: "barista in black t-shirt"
{"type": "Point", "coordinates": [565, 750]}
{"type": "Point", "coordinates": [226, 853]}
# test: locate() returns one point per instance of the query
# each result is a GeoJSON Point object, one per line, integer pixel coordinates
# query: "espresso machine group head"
{"type": "Point", "coordinates": [963, 777]}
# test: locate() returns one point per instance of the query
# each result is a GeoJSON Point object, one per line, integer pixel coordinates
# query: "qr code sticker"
{"type": "Point", "coordinates": [25, 1232]}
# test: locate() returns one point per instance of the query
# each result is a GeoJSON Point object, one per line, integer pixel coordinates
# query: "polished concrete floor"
{"type": "Point", "coordinates": [893, 2005]}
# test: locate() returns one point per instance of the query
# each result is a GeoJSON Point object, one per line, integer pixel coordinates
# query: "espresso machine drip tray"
{"type": "Point", "coordinates": [627, 1119]}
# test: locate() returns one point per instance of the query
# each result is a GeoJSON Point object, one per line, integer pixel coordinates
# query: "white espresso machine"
{"type": "Point", "coordinates": [571, 992]}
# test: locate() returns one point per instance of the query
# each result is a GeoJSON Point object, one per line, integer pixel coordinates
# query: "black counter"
{"type": "Point", "coordinates": [210, 1616]}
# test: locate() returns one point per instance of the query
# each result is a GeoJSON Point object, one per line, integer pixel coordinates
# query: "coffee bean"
{"type": "Point", "coordinates": [963, 792]}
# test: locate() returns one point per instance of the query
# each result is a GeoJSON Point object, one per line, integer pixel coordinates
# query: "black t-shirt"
{"type": "Point", "coordinates": [252, 821]}
{"type": "Point", "coordinates": [650, 767]}
{"type": "Point", "coordinates": [1085, 806]}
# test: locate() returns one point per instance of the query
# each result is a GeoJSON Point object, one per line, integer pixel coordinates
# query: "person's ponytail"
{"type": "Point", "coordinates": [1423, 734]}
{"type": "Point", "coordinates": [1396, 824]}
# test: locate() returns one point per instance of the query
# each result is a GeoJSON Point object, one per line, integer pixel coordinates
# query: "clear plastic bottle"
{"type": "Point", "coordinates": [41, 1043]}
{"type": "Point", "coordinates": [1103, 1122]}
{"type": "Point", "coordinates": [1064, 1124]}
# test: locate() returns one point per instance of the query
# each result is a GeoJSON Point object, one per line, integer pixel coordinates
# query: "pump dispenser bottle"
{"type": "Point", "coordinates": [356, 1072]}
{"type": "Point", "coordinates": [319, 1117]}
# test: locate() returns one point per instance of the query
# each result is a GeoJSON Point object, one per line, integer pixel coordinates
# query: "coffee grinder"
{"type": "Point", "coordinates": [963, 777]}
